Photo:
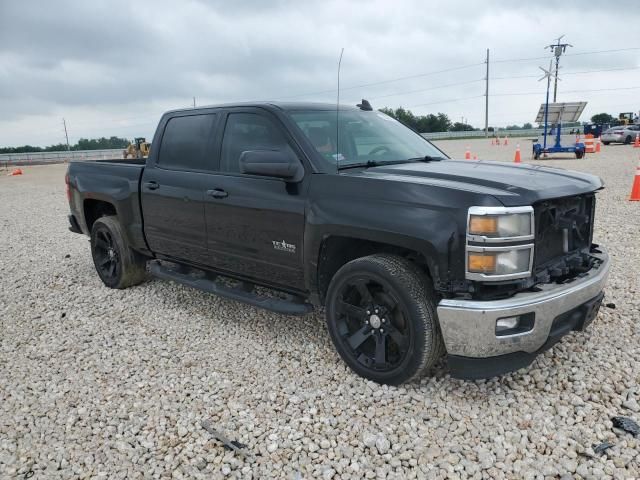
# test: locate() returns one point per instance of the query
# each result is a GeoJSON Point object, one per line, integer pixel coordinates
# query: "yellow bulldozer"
{"type": "Point", "coordinates": [627, 118]}
{"type": "Point", "coordinates": [139, 148]}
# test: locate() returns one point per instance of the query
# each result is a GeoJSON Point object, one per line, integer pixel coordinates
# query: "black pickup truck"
{"type": "Point", "coordinates": [291, 206]}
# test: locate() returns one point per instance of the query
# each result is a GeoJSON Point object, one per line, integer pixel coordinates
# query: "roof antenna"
{"type": "Point", "coordinates": [338, 114]}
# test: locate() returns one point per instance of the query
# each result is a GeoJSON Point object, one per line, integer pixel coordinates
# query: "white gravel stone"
{"type": "Point", "coordinates": [107, 383]}
{"type": "Point", "coordinates": [382, 444]}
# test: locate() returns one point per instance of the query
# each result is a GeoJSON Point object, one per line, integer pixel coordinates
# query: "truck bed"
{"type": "Point", "coordinates": [115, 182]}
{"type": "Point", "coordinates": [123, 161]}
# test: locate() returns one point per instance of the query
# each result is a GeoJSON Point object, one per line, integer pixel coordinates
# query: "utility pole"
{"type": "Point", "coordinates": [194, 102]}
{"type": "Point", "coordinates": [65, 133]}
{"type": "Point", "coordinates": [486, 99]}
{"type": "Point", "coordinates": [558, 49]}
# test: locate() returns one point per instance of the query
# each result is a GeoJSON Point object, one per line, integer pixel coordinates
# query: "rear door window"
{"type": "Point", "coordinates": [187, 143]}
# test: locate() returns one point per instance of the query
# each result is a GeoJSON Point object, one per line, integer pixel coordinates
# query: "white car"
{"type": "Point", "coordinates": [621, 134]}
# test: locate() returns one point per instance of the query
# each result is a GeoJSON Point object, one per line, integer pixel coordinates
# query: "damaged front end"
{"type": "Point", "coordinates": [563, 242]}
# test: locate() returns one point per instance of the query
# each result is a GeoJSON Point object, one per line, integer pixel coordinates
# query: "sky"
{"type": "Point", "coordinates": [112, 67]}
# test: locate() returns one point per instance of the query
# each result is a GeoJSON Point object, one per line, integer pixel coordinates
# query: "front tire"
{"type": "Point", "coordinates": [627, 140]}
{"type": "Point", "coordinates": [118, 266]}
{"type": "Point", "coordinates": [381, 315]}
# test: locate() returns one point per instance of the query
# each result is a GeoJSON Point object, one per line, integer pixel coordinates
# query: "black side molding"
{"type": "Point", "coordinates": [290, 306]}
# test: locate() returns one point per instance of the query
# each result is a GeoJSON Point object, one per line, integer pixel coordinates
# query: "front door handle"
{"type": "Point", "coordinates": [217, 193]}
{"type": "Point", "coordinates": [152, 185]}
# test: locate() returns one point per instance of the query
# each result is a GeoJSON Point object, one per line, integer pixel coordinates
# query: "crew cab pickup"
{"type": "Point", "coordinates": [295, 206]}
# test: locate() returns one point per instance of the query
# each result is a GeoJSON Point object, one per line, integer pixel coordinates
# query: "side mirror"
{"type": "Point", "coordinates": [271, 163]}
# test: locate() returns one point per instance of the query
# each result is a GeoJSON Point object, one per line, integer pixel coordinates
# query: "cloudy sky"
{"type": "Point", "coordinates": [112, 67]}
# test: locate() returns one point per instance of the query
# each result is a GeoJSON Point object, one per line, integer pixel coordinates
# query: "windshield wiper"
{"type": "Point", "coordinates": [426, 158]}
{"type": "Point", "coordinates": [368, 164]}
{"type": "Point", "coordinates": [373, 163]}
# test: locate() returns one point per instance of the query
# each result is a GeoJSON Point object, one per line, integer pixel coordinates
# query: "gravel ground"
{"type": "Point", "coordinates": [114, 384]}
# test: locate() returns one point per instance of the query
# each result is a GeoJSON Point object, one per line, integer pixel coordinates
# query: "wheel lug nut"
{"type": "Point", "coordinates": [377, 310]}
{"type": "Point", "coordinates": [384, 320]}
{"type": "Point", "coordinates": [368, 312]}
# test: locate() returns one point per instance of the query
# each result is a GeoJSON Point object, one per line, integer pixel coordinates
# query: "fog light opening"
{"type": "Point", "coordinates": [514, 325]}
{"type": "Point", "coordinates": [508, 323]}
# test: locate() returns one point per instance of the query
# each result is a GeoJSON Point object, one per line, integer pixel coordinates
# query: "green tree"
{"type": "Point", "coordinates": [461, 127]}
{"type": "Point", "coordinates": [420, 123]}
{"type": "Point", "coordinates": [600, 118]}
{"type": "Point", "coordinates": [101, 143]}
{"type": "Point", "coordinates": [527, 126]}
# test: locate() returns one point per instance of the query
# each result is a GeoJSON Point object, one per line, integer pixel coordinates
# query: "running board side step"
{"type": "Point", "coordinates": [244, 293]}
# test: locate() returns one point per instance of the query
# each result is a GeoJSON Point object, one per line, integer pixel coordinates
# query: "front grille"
{"type": "Point", "coordinates": [564, 229]}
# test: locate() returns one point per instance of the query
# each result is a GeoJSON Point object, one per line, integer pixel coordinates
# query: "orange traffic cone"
{"type": "Point", "coordinates": [475, 157]}
{"type": "Point", "coordinates": [635, 190]}
{"type": "Point", "coordinates": [506, 140]}
{"type": "Point", "coordinates": [517, 159]}
{"type": "Point", "coordinates": [598, 146]}
{"type": "Point", "coordinates": [636, 144]}
{"type": "Point", "coordinates": [467, 154]}
{"type": "Point", "coordinates": [17, 171]}
{"type": "Point", "coordinates": [493, 142]}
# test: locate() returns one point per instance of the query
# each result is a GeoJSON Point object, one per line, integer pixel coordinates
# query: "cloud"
{"type": "Point", "coordinates": [100, 63]}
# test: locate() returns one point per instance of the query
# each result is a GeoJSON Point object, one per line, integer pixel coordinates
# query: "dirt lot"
{"type": "Point", "coordinates": [114, 384]}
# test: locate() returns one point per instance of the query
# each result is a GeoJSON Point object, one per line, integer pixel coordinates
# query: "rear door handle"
{"type": "Point", "coordinates": [217, 193]}
{"type": "Point", "coordinates": [152, 185]}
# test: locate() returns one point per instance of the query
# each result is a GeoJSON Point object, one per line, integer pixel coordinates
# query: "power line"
{"type": "Point", "coordinates": [568, 91]}
{"type": "Point", "coordinates": [462, 67]}
{"type": "Point", "coordinates": [382, 82]}
{"type": "Point", "coordinates": [450, 100]}
{"type": "Point", "coordinates": [569, 73]}
{"type": "Point", "coordinates": [407, 92]}
{"type": "Point", "coordinates": [508, 60]}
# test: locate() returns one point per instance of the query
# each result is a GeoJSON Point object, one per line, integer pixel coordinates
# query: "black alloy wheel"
{"type": "Point", "coordinates": [373, 323]}
{"type": "Point", "coordinates": [105, 255]}
{"type": "Point", "coordinates": [118, 266]}
{"type": "Point", "coordinates": [382, 319]}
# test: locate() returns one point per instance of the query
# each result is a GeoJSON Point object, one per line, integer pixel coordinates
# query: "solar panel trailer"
{"type": "Point", "coordinates": [555, 114]}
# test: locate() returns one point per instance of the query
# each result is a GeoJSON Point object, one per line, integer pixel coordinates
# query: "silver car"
{"type": "Point", "coordinates": [621, 134]}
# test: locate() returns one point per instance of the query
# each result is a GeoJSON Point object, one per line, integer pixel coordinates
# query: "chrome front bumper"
{"type": "Point", "coordinates": [469, 326]}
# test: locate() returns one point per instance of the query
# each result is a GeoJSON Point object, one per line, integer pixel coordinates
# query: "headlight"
{"type": "Point", "coordinates": [495, 223]}
{"type": "Point", "coordinates": [499, 262]}
{"type": "Point", "coordinates": [488, 228]}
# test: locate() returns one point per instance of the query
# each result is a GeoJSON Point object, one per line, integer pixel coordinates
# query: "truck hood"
{"type": "Point", "coordinates": [511, 184]}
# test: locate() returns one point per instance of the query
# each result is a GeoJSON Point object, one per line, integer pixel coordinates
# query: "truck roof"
{"type": "Point", "coordinates": [287, 106]}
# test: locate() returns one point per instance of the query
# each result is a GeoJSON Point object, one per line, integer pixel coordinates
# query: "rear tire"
{"type": "Point", "coordinates": [118, 266]}
{"type": "Point", "coordinates": [381, 315]}
{"type": "Point", "coordinates": [579, 155]}
{"type": "Point", "coordinates": [627, 140]}
{"type": "Point", "coordinates": [606, 143]}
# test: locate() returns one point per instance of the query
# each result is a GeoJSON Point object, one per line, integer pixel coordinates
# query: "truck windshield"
{"type": "Point", "coordinates": [365, 138]}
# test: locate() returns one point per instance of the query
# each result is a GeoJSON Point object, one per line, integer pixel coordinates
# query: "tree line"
{"type": "Point", "coordinates": [438, 122]}
{"type": "Point", "coordinates": [101, 143]}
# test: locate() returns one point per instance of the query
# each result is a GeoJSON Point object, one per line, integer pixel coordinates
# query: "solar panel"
{"type": "Point", "coordinates": [561, 112]}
